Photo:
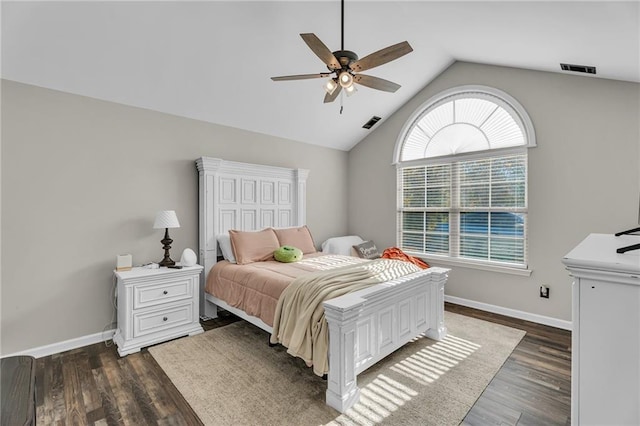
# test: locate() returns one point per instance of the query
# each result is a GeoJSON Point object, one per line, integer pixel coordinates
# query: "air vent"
{"type": "Point", "coordinates": [369, 124]}
{"type": "Point", "coordinates": [578, 68]}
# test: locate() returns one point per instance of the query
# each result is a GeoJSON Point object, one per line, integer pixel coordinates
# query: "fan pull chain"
{"type": "Point", "coordinates": [341, 102]}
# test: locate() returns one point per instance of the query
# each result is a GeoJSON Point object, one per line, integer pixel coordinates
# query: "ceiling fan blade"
{"type": "Point", "coordinates": [321, 50]}
{"type": "Point", "coordinates": [376, 83]}
{"type": "Point", "coordinates": [382, 56]}
{"type": "Point", "coordinates": [332, 97]}
{"type": "Point", "coordinates": [301, 76]}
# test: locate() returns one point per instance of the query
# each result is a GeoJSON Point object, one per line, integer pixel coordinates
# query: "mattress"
{"type": "Point", "coordinates": [256, 287]}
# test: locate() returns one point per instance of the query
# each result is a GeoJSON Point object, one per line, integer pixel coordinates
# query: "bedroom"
{"type": "Point", "coordinates": [83, 173]}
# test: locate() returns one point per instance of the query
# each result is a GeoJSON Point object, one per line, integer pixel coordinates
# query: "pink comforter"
{"type": "Point", "coordinates": [255, 288]}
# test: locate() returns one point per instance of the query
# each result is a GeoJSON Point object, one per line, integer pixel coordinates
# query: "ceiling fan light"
{"type": "Point", "coordinates": [350, 90]}
{"type": "Point", "coordinates": [346, 79]}
{"type": "Point", "coordinates": [330, 86]}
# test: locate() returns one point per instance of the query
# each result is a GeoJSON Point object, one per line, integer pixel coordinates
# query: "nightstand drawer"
{"type": "Point", "coordinates": [169, 291]}
{"type": "Point", "coordinates": [151, 322]}
{"type": "Point", "coordinates": [155, 305]}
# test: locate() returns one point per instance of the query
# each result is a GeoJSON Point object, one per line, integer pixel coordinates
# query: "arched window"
{"type": "Point", "coordinates": [462, 178]}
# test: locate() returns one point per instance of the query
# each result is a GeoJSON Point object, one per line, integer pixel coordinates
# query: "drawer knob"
{"type": "Point", "coordinates": [165, 318]}
{"type": "Point", "coordinates": [165, 292]}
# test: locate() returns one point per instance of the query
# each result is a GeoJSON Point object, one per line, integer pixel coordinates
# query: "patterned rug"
{"type": "Point", "coordinates": [230, 376]}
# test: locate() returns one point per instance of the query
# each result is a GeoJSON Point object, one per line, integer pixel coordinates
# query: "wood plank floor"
{"type": "Point", "coordinates": [94, 386]}
{"type": "Point", "coordinates": [533, 387]}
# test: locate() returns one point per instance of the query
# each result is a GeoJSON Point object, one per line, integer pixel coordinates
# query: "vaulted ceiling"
{"type": "Point", "coordinates": [212, 61]}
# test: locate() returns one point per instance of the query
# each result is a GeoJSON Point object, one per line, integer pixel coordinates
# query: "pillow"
{"type": "Point", "coordinates": [287, 254]}
{"type": "Point", "coordinates": [367, 250]}
{"type": "Point", "coordinates": [341, 245]}
{"type": "Point", "coordinates": [249, 247]}
{"type": "Point", "coordinates": [296, 237]}
{"type": "Point", "coordinates": [224, 241]}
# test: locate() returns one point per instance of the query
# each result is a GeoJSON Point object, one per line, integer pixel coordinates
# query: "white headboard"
{"type": "Point", "coordinates": [247, 197]}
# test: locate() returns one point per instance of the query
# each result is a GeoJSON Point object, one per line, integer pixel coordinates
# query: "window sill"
{"type": "Point", "coordinates": [463, 263]}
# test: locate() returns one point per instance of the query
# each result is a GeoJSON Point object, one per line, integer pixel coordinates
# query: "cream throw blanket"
{"type": "Point", "coordinates": [299, 322]}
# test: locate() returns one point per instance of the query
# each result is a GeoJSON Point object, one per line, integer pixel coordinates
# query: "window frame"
{"type": "Point", "coordinates": [503, 99]}
{"type": "Point", "coordinates": [520, 116]}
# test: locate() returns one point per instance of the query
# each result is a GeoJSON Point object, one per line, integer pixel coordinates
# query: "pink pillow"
{"type": "Point", "coordinates": [297, 237]}
{"type": "Point", "coordinates": [250, 247]}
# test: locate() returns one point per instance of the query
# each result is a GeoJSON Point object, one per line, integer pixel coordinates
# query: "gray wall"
{"type": "Point", "coordinates": [583, 177]}
{"type": "Point", "coordinates": [82, 180]}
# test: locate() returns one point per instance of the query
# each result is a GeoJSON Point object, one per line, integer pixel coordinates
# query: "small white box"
{"type": "Point", "coordinates": [124, 262]}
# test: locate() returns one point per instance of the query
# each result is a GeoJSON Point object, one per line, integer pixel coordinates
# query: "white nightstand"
{"type": "Point", "coordinates": [155, 305]}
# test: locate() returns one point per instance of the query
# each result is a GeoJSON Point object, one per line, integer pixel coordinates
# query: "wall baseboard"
{"type": "Point", "coordinates": [66, 345]}
{"type": "Point", "coordinates": [540, 319]}
{"type": "Point", "coordinates": [78, 342]}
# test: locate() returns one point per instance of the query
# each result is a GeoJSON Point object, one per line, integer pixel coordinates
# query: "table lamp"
{"type": "Point", "coordinates": [166, 219]}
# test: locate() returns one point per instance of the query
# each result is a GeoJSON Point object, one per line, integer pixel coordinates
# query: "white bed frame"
{"type": "Point", "coordinates": [364, 326]}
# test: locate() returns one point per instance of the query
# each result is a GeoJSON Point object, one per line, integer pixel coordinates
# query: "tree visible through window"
{"type": "Point", "coordinates": [462, 178]}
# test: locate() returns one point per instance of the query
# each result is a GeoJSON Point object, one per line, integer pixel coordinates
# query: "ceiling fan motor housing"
{"type": "Point", "coordinates": [345, 57]}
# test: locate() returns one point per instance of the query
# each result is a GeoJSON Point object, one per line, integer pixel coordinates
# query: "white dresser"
{"type": "Point", "coordinates": [155, 305]}
{"type": "Point", "coordinates": [605, 369]}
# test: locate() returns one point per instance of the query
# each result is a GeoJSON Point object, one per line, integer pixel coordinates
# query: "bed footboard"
{"type": "Point", "coordinates": [367, 325]}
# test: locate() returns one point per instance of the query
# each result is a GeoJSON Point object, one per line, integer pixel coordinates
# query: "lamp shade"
{"type": "Point", "coordinates": [166, 219]}
{"type": "Point", "coordinates": [345, 79]}
{"type": "Point", "coordinates": [330, 86]}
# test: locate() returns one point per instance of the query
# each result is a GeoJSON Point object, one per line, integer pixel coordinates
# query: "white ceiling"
{"type": "Point", "coordinates": [213, 61]}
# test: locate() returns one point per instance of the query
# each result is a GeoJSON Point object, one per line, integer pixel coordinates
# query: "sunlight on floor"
{"type": "Point", "coordinates": [385, 395]}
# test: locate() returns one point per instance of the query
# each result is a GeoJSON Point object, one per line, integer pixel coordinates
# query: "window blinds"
{"type": "Point", "coordinates": [475, 209]}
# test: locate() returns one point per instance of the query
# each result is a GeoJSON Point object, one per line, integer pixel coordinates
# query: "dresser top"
{"type": "Point", "coordinates": [145, 272]}
{"type": "Point", "coordinates": [598, 251]}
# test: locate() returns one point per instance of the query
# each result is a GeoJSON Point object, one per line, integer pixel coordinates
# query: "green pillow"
{"type": "Point", "coordinates": [287, 254]}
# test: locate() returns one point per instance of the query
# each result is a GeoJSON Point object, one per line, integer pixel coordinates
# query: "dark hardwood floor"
{"type": "Point", "coordinates": [93, 385]}
{"type": "Point", "coordinates": [533, 387]}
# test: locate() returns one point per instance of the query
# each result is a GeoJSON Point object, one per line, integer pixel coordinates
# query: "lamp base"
{"type": "Point", "coordinates": [167, 262]}
{"type": "Point", "coordinates": [166, 245]}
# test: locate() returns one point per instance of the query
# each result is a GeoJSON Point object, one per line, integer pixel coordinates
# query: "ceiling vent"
{"type": "Point", "coordinates": [578, 68]}
{"type": "Point", "coordinates": [369, 124]}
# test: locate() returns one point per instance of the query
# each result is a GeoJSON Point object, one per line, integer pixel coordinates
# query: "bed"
{"type": "Point", "coordinates": [363, 326]}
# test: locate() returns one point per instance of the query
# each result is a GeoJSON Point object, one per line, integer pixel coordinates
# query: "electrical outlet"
{"type": "Point", "coordinates": [544, 291]}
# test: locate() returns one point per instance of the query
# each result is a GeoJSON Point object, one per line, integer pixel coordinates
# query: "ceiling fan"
{"type": "Point", "coordinates": [344, 66]}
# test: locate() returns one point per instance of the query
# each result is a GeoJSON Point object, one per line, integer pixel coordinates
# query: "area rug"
{"type": "Point", "coordinates": [230, 376]}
